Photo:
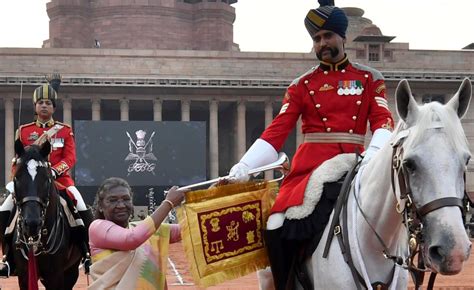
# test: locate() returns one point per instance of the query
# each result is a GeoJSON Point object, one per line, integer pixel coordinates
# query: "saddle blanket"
{"type": "Point", "coordinates": [329, 171]}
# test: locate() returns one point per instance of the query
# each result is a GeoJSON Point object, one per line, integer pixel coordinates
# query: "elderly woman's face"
{"type": "Point", "coordinates": [117, 205]}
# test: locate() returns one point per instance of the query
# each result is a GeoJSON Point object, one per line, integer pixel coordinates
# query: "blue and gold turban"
{"type": "Point", "coordinates": [326, 17]}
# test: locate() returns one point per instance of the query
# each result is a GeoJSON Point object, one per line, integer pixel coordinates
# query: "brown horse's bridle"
{"type": "Point", "coordinates": [413, 216]}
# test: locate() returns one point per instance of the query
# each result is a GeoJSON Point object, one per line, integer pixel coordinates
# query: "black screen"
{"type": "Point", "coordinates": [145, 153]}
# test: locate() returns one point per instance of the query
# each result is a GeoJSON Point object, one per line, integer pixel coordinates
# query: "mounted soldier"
{"type": "Point", "coordinates": [335, 101]}
{"type": "Point", "coordinates": [62, 156]}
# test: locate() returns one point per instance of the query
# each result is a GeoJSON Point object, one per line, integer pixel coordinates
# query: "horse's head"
{"type": "Point", "coordinates": [434, 161]}
{"type": "Point", "coordinates": [33, 184]}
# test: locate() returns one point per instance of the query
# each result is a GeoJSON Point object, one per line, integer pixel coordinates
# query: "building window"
{"type": "Point", "coordinates": [374, 52]}
{"type": "Point", "coordinates": [360, 53]}
{"type": "Point", "coordinates": [433, 98]}
{"type": "Point", "coordinates": [388, 54]}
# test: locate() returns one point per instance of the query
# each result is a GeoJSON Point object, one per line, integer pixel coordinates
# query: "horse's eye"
{"type": "Point", "coordinates": [467, 160]}
{"type": "Point", "coordinates": [410, 165]}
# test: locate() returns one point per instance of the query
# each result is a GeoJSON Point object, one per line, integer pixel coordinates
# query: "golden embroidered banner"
{"type": "Point", "coordinates": [222, 230]}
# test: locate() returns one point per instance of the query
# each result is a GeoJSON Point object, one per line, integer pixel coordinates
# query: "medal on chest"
{"type": "Point", "coordinates": [57, 142]}
{"type": "Point", "coordinates": [352, 88]}
{"type": "Point", "coordinates": [33, 136]}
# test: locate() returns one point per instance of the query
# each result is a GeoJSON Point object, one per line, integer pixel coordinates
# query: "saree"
{"type": "Point", "coordinates": [141, 269]}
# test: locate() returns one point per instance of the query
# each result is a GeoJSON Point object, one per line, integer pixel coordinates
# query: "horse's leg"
{"type": "Point", "coordinates": [70, 276]}
{"type": "Point", "coordinates": [51, 271]}
{"type": "Point", "coordinates": [22, 279]}
{"type": "Point", "coordinates": [23, 282]}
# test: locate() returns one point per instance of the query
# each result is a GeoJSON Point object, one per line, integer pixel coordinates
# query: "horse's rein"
{"type": "Point", "coordinates": [411, 215]}
{"type": "Point", "coordinates": [21, 239]}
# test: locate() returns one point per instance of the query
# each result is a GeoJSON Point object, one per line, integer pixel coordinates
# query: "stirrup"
{"type": "Point", "coordinates": [86, 263]}
{"type": "Point", "coordinates": [4, 268]}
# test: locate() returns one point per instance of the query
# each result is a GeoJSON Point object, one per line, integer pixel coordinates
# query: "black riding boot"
{"type": "Point", "coordinates": [280, 254]}
{"type": "Point", "coordinates": [87, 217]}
{"type": "Point", "coordinates": [4, 264]}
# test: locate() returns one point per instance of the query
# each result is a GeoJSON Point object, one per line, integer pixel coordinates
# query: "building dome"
{"type": "Point", "coordinates": [353, 11]}
{"type": "Point", "coordinates": [371, 29]}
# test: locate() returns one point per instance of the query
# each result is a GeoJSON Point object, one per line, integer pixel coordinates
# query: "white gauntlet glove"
{"type": "Point", "coordinates": [380, 137]}
{"type": "Point", "coordinates": [10, 187]}
{"type": "Point", "coordinates": [260, 153]}
{"type": "Point", "coordinates": [239, 172]}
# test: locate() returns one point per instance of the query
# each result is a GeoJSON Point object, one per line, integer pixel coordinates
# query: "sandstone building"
{"type": "Point", "coordinates": [176, 60]}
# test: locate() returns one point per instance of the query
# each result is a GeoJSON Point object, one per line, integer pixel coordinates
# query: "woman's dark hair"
{"type": "Point", "coordinates": [104, 188]}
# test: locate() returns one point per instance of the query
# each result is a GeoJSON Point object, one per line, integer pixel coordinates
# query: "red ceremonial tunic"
{"type": "Point", "coordinates": [63, 152]}
{"type": "Point", "coordinates": [331, 98]}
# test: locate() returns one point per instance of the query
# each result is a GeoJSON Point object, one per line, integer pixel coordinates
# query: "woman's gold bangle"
{"type": "Point", "coordinates": [168, 202]}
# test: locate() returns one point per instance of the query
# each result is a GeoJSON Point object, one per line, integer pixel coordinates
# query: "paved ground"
{"type": "Point", "coordinates": [183, 280]}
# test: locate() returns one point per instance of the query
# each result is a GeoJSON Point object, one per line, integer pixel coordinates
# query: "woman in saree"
{"type": "Point", "coordinates": [130, 255]}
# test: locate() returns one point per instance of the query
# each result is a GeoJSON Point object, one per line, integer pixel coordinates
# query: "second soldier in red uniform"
{"type": "Point", "coordinates": [63, 153]}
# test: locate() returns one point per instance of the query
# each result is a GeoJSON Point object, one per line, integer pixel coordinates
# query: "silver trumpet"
{"type": "Point", "coordinates": [282, 165]}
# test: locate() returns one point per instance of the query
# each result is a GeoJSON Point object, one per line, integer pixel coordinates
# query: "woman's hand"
{"type": "Point", "coordinates": [175, 195]}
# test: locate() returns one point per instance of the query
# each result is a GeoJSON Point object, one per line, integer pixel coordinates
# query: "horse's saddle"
{"type": "Point", "coordinates": [68, 209]}
{"type": "Point", "coordinates": [305, 224]}
{"type": "Point", "coordinates": [329, 171]}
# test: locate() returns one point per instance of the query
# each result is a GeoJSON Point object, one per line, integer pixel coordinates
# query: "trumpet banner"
{"type": "Point", "coordinates": [222, 230]}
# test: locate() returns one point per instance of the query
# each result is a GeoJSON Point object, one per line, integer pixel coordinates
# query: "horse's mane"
{"type": "Point", "coordinates": [436, 116]}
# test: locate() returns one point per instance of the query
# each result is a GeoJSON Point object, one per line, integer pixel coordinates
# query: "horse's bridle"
{"type": "Point", "coordinates": [30, 241]}
{"type": "Point", "coordinates": [413, 216]}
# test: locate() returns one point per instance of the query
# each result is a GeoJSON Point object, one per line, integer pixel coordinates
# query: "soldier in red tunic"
{"type": "Point", "coordinates": [335, 101]}
{"type": "Point", "coordinates": [63, 153]}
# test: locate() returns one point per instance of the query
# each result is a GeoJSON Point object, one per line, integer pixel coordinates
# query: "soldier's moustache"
{"type": "Point", "coordinates": [334, 52]}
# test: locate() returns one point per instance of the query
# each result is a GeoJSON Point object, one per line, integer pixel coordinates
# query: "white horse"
{"type": "Point", "coordinates": [434, 158]}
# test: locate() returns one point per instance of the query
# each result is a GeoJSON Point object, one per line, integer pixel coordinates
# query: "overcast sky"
{"type": "Point", "coordinates": [277, 25]}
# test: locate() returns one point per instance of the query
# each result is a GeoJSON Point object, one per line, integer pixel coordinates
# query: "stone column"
{"type": "Point", "coordinates": [213, 139]}
{"type": "Point", "coordinates": [241, 136]}
{"type": "Point", "coordinates": [299, 133]}
{"type": "Point", "coordinates": [95, 110]}
{"type": "Point", "coordinates": [9, 136]}
{"type": "Point", "coordinates": [124, 109]}
{"type": "Point", "coordinates": [157, 109]}
{"type": "Point", "coordinates": [268, 119]}
{"type": "Point", "coordinates": [268, 112]}
{"type": "Point", "coordinates": [185, 110]}
{"type": "Point", "coordinates": [67, 110]}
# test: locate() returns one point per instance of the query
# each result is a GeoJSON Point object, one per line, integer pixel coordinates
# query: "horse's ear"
{"type": "Point", "coordinates": [460, 101]}
{"type": "Point", "coordinates": [45, 149]}
{"type": "Point", "coordinates": [406, 104]}
{"type": "Point", "coordinates": [19, 148]}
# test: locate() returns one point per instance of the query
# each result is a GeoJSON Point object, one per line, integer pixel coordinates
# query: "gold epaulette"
{"type": "Point", "coordinates": [17, 132]}
{"type": "Point", "coordinates": [63, 124]}
{"type": "Point", "coordinates": [26, 125]}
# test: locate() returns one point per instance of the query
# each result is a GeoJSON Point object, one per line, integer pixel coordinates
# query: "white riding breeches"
{"type": "Point", "coordinates": [8, 203]}
{"type": "Point", "coordinates": [81, 205]}
{"type": "Point", "coordinates": [275, 221]}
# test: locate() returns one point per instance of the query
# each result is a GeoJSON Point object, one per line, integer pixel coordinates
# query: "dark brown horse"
{"type": "Point", "coordinates": [42, 231]}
